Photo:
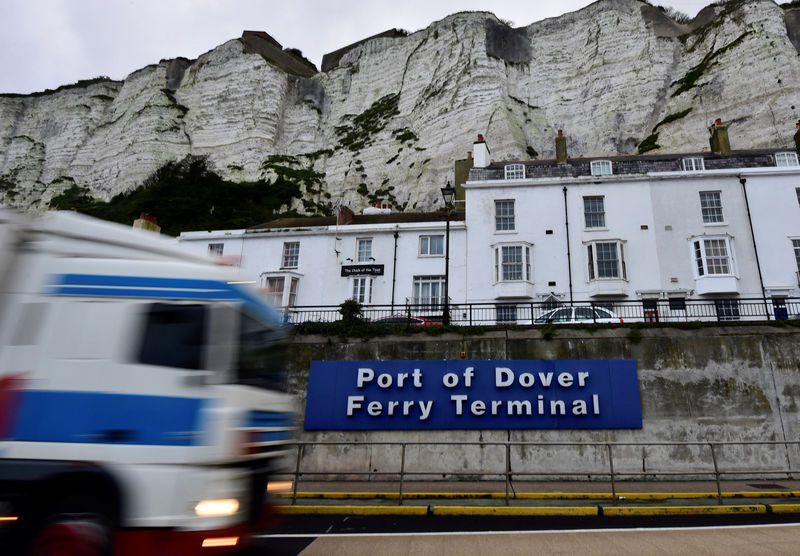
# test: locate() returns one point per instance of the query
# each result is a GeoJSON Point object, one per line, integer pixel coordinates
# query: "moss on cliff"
{"type": "Point", "coordinates": [359, 134]}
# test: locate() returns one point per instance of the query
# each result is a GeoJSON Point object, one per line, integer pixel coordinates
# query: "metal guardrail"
{"type": "Point", "coordinates": [613, 475]}
{"type": "Point", "coordinates": [526, 313]}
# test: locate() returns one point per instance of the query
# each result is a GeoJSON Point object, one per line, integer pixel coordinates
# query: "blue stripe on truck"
{"type": "Point", "coordinates": [105, 418]}
{"type": "Point", "coordinates": [155, 287]}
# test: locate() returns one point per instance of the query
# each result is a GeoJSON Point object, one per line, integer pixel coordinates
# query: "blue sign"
{"type": "Point", "coordinates": [518, 394]}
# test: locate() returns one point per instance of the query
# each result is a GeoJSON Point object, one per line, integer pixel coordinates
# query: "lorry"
{"type": "Point", "coordinates": [143, 402]}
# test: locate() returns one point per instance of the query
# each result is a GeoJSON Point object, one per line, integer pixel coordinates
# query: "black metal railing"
{"type": "Point", "coordinates": [527, 313]}
{"type": "Point", "coordinates": [611, 461]}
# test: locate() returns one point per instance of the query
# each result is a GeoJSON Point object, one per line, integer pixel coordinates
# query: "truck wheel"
{"type": "Point", "coordinates": [75, 526]}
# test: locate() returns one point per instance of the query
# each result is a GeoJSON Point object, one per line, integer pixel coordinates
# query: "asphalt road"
{"type": "Point", "coordinates": [389, 535]}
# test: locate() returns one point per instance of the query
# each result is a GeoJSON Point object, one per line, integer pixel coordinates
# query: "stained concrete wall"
{"type": "Point", "coordinates": [713, 384]}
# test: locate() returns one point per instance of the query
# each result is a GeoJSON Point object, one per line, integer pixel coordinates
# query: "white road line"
{"type": "Point", "coordinates": [524, 532]}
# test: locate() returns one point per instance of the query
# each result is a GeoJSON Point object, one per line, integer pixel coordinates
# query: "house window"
{"type": "Point", "coordinates": [786, 159]}
{"type": "Point", "coordinates": [796, 245]}
{"type": "Point", "coordinates": [291, 253]}
{"type": "Point", "coordinates": [594, 212]}
{"type": "Point", "coordinates": [504, 215]}
{"type": "Point", "coordinates": [606, 260]}
{"type": "Point", "coordinates": [362, 289]}
{"type": "Point", "coordinates": [712, 256]}
{"type": "Point", "coordinates": [431, 246]}
{"type": "Point", "coordinates": [293, 292]}
{"type": "Point", "coordinates": [693, 164]}
{"type": "Point", "coordinates": [274, 290]}
{"type": "Point", "coordinates": [215, 249]}
{"type": "Point", "coordinates": [677, 304]}
{"type": "Point", "coordinates": [711, 207]}
{"type": "Point", "coordinates": [601, 167]}
{"type": "Point", "coordinates": [512, 262]}
{"type": "Point", "coordinates": [506, 313]}
{"type": "Point", "coordinates": [428, 290]}
{"type": "Point", "coordinates": [515, 171]}
{"type": "Point", "coordinates": [364, 250]}
{"type": "Point", "coordinates": [797, 192]}
{"type": "Point", "coordinates": [727, 309]}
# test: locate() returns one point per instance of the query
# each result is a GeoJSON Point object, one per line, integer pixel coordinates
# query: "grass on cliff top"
{"type": "Point", "coordinates": [186, 195]}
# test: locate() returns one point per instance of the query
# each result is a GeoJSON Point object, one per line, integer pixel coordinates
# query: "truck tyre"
{"type": "Point", "coordinates": [78, 525]}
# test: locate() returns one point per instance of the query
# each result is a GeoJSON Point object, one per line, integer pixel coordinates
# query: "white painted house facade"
{"type": "Point", "coordinates": [651, 231]}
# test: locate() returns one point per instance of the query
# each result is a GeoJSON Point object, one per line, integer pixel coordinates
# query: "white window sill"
{"type": "Point", "coordinates": [595, 229]}
{"type": "Point", "coordinates": [714, 224]}
{"type": "Point", "coordinates": [608, 286]}
{"type": "Point", "coordinates": [506, 232]}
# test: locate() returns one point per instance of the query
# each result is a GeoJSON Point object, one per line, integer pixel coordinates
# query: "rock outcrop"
{"type": "Point", "coordinates": [390, 114]}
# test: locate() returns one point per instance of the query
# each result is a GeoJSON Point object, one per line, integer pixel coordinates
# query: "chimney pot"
{"type": "Point", "coordinates": [718, 121]}
{"type": "Point", "coordinates": [560, 133]}
{"type": "Point", "coordinates": [469, 153]}
{"type": "Point", "coordinates": [480, 137]}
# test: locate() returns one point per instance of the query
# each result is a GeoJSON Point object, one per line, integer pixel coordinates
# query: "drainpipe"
{"type": "Point", "coordinates": [743, 181]}
{"type": "Point", "coordinates": [394, 266]}
{"type": "Point", "coordinates": [569, 258]}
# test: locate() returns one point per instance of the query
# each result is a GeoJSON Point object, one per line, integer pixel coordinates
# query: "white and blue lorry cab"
{"type": "Point", "coordinates": [143, 405]}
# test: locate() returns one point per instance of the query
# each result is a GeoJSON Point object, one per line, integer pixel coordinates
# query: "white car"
{"type": "Point", "coordinates": [574, 315]}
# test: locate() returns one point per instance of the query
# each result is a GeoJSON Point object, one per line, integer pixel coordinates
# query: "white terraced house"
{"type": "Point", "coordinates": [644, 236]}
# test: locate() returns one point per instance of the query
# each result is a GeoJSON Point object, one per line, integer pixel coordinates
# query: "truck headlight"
{"type": "Point", "coordinates": [216, 508]}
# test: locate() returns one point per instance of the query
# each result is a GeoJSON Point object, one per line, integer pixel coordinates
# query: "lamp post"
{"type": "Point", "coordinates": [449, 196]}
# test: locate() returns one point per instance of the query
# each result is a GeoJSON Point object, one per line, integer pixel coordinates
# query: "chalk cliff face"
{"type": "Point", "coordinates": [387, 117]}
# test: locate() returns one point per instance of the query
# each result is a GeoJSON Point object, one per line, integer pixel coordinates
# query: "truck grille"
{"type": "Point", "coordinates": [266, 433]}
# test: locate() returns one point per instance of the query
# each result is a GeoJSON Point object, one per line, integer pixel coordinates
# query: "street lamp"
{"type": "Point", "coordinates": [449, 196]}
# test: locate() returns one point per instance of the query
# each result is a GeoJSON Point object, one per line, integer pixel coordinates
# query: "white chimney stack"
{"type": "Point", "coordinates": [480, 152]}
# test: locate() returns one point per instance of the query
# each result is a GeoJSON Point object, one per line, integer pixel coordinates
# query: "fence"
{"type": "Point", "coordinates": [507, 460]}
{"type": "Point", "coordinates": [526, 313]}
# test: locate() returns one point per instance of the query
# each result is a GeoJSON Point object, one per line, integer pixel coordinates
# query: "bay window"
{"type": "Point", "coordinates": [606, 260]}
{"type": "Point", "coordinates": [512, 262]}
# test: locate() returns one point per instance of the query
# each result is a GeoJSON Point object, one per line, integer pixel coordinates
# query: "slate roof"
{"type": "Point", "coordinates": [628, 164]}
{"type": "Point", "coordinates": [391, 218]}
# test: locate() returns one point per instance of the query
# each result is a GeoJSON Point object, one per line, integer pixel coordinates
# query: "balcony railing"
{"type": "Point", "coordinates": [525, 313]}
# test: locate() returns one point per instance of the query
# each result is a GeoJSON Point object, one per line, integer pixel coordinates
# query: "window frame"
{"type": "Point", "coordinates": [506, 312]}
{"type": "Point", "coordinates": [504, 220]}
{"type": "Point", "coordinates": [361, 288]}
{"type": "Point", "coordinates": [700, 256]}
{"type": "Point", "coordinates": [274, 293]}
{"type": "Point", "coordinates": [594, 214]}
{"type": "Point", "coordinates": [216, 249]}
{"type": "Point", "coordinates": [514, 171]}
{"type": "Point", "coordinates": [503, 266]}
{"type": "Point", "coordinates": [727, 309]}
{"type": "Point", "coordinates": [427, 239]}
{"type": "Point", "coordinates": [430, 280]}
{"type": "Point", "coordinates": [696, 163]}
{"type": "Point", "coordinates": [601, 168]}
{"type": "Point", "coordinates": [786, 159]}
{"type": "Point", "coordinates": [290, 254]}
{"type": "Point", "coordinates": [796, 248]}
{"type": "Point", "coordinates": [593, 261]}
{"type": "Point", "coordinates": [710, 212]}
{"type": "Point", "coordinates": [364, 250]}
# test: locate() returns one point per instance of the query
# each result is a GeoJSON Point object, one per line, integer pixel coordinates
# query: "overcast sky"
{"type": "Point", "coordinates": [49, 43]}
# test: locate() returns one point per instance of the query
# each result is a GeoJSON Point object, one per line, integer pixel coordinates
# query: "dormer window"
{"type": "Point", "coordinates": [601, 168]}
{"type": "Point", "coordinates": [693, 164]}
{"type": "Point", "coordinates": [515, 171]}
{"type": "Point", "coordinates": [786, 159]}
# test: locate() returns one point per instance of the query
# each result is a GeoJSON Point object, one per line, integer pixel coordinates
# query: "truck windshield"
{"type": "Point", "coordinates": [261, 355]}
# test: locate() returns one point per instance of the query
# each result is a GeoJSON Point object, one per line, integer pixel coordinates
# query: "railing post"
{"type": "Point", "coordinates": [508, 470]}
{"type": "Point", "coordinates": [613, 478]}
{"type": "Point", "coordinates": [716, 473]}
{"type": "Point", "coordinates": [296, 473]}
{"type": "Point", "coordinates": [470, 314]}
{"type": "Point", "coordinates": [402, 470]}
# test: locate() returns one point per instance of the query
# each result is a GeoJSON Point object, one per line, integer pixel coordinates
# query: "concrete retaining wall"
{"type": "Point", "coordinates": [710, 384]}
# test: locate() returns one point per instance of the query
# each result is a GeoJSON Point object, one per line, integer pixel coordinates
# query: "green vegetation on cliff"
{"type": "Point", "coordinates": [186, 195]}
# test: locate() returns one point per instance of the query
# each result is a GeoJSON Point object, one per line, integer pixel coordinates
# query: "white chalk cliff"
{"type": "Point", "coordinates": [387, 117]}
